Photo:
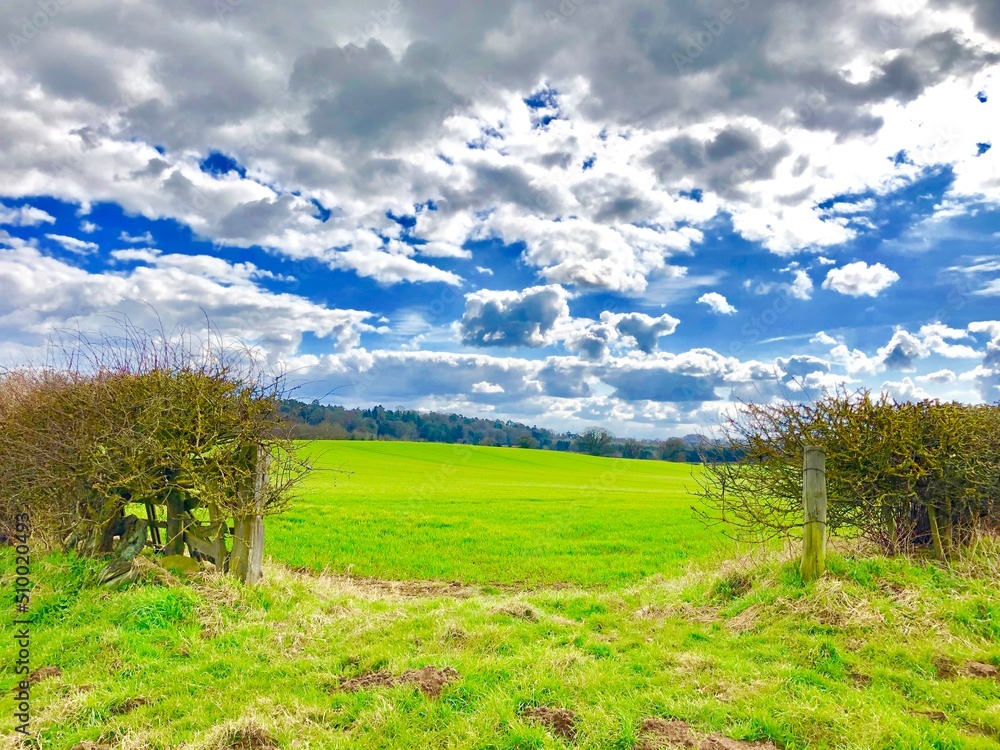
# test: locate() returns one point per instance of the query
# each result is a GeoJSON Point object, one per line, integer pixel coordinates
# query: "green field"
{"type": "Point", "coordinates": [491, 515]}
{"type": "Point", "coordinates": [529, 582]}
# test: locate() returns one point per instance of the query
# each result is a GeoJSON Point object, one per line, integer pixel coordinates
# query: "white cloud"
{"type": "Point", "coordinates": [800, 287]}
{"type": "Point", "coordinates": [860, 279]}
{"type": "Point", "coordinates": [43, 294]}
{"type": "Point", "coordinates": [88, 227]}
{"type": "Point", "coordinates": [822, 337]}
{"type": "Point", "coordinates": [73, 245]}
{"type": "Point", "coordinates": [484, 387]}
{"type": "Point", "coordinates": [616, 331]}
{"type": "Point", "coordinates": [905, 390]}
{"type": "Point", "coordinates": [717, 303]}
{"type": "Point", "coordinates": [940, 376]}
{"type": "Point", "coordinates": [24, 216]}
{"type": "Point", "coordinates": [146, 238]}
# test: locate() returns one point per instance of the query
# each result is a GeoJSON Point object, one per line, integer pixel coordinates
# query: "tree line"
{"type": "Point", "coordinates": [315, 421]}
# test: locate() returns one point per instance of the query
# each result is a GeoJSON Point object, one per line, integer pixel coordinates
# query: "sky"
{"type": "Point", "coordinates": [571, 213]}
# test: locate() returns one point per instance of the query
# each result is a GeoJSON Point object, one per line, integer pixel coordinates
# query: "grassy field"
{"type": "Point", "coordinates": [508, 627]}
{"type": "Point", "coordinates": [491, 515]}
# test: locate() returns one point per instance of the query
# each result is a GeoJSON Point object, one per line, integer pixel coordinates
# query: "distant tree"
{"type": "Point", "coordinates": [631, 448]}
{"type": "Point", "coordinates": [526, 441]}
{"type": "Point", "coordinates": [596, 441]}
{"type": "Point", "coordinates": [675, 449]}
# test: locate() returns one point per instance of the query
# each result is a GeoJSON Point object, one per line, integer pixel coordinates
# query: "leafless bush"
{"type": "Point", "coordinates": [900, 475]}
{"type": "Point", "coordinates": [139, 417]}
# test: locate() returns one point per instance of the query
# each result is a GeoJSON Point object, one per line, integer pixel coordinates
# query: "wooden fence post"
{"type": "Point", "coordinates": [814, 504]}
{"type": "Point", "coordinates": [174, 543]}
{"type": "Point", "coordinates": [248, 530]}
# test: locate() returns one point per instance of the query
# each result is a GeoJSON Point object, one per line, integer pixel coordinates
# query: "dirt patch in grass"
{"type": "Point", "coordinates": [91, 746]}
{"type": "Point", "coordinates": [520, 611]}
{"type": "Point", "coordinates": [663, 734]}
{"type": "Point", "coordinates": [381, 588]}
{"type": "Point", "coordinates": [745, 621]}
{"type": "Point", "coordinates": [561, 721]}
{"type": "Point", "coordinates": [860, 680]}
{"type": "Point", "coordinates": [43, 673]}
{"type": "Point", "coordinates": [245, 735]}
{"type": "Point", "coordinates": [428, 680]}
{"type": "Point", "coordinates": [368, 681]}
{"type": "Point", "coordinates": [668, 734]}
{"type": "Point", "coordinates": [979, 669]}
{"type": "Point", "coordinates": [420, 589]}
{"type": "Point", "coordinates": [939, 717]}
{"type": "Point", "coordinates": [683, 611]}
{"type": "Point", "coordinates": [945, 667]}
{"type": "Point", "coordinates": [129, 705]}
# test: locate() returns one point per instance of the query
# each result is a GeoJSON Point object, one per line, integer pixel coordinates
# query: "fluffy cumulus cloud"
{"type": "Point", "coordinates": [717, 303]}
{"type": "Point", "coordinates": [860, 279]}
{"type": "Point", "coordinates": [594, 339]}
{"type": "Point", "coordinates": [612, 212]}
{"type": "Point", "coordinates": [512, 319]}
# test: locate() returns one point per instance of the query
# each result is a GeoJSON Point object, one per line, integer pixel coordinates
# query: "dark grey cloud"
{"type": "Point", "coordinates": [564, 380]}
{"type": "Point", "coordinates": [724, 163]}
{"type": "Point", "coordinates": [493, 185]}
{"type": "Point", "coordinates": [900, 357]}
{"type": "Point", "coordinates": [251, 219]}
{"type": "Point", "coordinates": [364, 97]}
{"type": "Point", "coordinates": [660, 384]}
{"type": "Point", "coordinates": [802, 364]}
{"type": "Point", "coordinates": [592, 343]}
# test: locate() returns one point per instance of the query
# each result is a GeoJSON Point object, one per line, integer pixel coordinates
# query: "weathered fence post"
{"type": "Point", "coordinates": [174, 543]}
{"type": "Point", "coordinates": [814, 504]}
{"type": "Point", "coordinates": [248, 530]}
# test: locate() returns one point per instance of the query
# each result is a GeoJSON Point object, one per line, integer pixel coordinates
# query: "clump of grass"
{"type": "Point", "coordinates": [243, 734]}
{"type": "Point", "coordinates": [732, 586]}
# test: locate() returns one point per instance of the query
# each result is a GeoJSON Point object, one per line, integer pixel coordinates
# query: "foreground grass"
{"type": "Point", "coordinates": [491, 515]}
{"type": "Point", "coordinates": [872, 656]}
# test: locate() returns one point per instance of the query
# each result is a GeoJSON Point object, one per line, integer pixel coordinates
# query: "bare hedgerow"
{"type": "Point", "coordinates": [140, 417]}
{"type": "Point", "coordinates": [902, 476]}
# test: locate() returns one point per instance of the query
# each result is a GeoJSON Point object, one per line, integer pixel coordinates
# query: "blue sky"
{"type": "Point", "coordinates": [625, 214]}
